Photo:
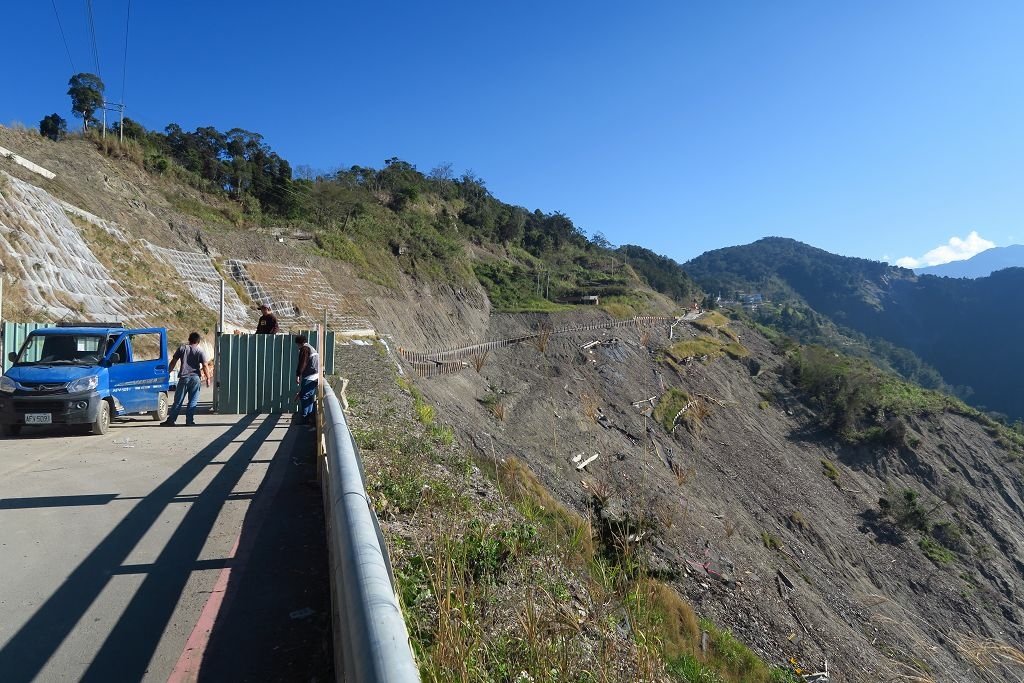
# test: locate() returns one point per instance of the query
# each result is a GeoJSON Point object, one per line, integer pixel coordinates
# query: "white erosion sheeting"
{"type": "Point", "coordinates": [60, 275]}
{"type": "Point", "coordinates": [203, 281]}
{"type": "Point", "coordinates": [22, 161]}
{"type": "Point", "coordinates": [297, 295]}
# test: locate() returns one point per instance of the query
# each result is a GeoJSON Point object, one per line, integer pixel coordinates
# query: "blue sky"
{"type": "Point", "coordinates": [872, 128]}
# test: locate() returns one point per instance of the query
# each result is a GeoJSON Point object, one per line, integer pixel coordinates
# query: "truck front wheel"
{"type": "Point", "coordinates": [160, 414]}
{"type": "Point", "coordinates": [12, 430]}
{"type": "Point", "coordinates": [102, 424]}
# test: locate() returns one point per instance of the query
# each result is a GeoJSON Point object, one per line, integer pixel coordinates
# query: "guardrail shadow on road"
{"type": "Point", "coordinates": [129, 647]}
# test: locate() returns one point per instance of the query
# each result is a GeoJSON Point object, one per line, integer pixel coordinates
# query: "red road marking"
{"type": "Point", "coordinates": [187, 668]}
{"type": "Point", "coordinates": [191, 659]}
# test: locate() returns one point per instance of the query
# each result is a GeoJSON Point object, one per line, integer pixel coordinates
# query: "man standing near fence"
{"type": "Point", "coordinates": [193, 366]}
{"type": "Point", "coordinates": [307, 376]}
{"type": "Point", "coordinates": [268, 321]}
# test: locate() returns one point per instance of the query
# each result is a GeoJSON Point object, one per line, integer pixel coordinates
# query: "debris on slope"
{"type": "Point", "coordinates": [743, 484]}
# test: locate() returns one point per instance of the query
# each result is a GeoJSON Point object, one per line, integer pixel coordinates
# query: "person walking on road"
{"type": "Point", "coordinates": [193, 366]}
{"type": "Point", "coordinates": [307, 376]}
{"type": "Point", "coordinates": [268, 321]}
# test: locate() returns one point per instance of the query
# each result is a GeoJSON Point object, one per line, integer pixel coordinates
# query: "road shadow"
{"type": "Point", "coordinates": [275, 622]}
{"type": "Point", "coordinates": [126, 653]}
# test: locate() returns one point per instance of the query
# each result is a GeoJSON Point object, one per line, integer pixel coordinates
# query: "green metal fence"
{"type": "Point", "coordinates": [14, 335]}
{"type": "Point", "coordinates": [256, 372]}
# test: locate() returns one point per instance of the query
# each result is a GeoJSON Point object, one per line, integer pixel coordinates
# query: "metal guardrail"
{"type": "Point", "coordinates": [371, 642]}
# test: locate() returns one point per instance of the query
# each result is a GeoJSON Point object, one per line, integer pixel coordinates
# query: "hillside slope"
{"type": "Point", "coordinates": [957, 326]}
{"type": "Point", "coordinates": [755, 507]}
{"type": "Point", "coordinates": [763, 520]}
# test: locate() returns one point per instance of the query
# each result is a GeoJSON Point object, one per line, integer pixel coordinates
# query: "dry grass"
{"type": "Point", "coordinates": [479, 360]}
{"type": "Point", "coordinates": [110, 146]}
{"type": "Point", "coordinates": [989, 655]}
{"type": "Point", "coordinates": [589, 406]}
{"type": "Point", "coordinates": [644, 335]}
{"type": "Point", "coordinates": [542, 339]}
{"type": "Point", "coordinates": [521, 485]}
{"type": "Point", "coordinates": [681, 627]}
{"type": "Point", "coordinates": [711, 320]}
{"type": "Point", "coordinates": [682, 474]}
{"type": "Point", "coordinates": [729, 525]}
{"type": "Point", "coordinates": [500, 410]}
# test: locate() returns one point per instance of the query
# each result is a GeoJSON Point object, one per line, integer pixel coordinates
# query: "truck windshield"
{"type": "Point", "coordinates": [61, 349]}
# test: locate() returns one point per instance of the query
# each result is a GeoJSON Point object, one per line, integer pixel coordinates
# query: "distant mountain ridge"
{"type": "Point", "coordinates": [980, 265]}
{"type": "Point", "coordinates": [970, 330]}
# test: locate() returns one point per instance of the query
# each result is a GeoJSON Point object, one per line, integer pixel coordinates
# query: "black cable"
{"type": "Point", "coordinates": [62, 37]}
{"type": "Point", "coordinates": [92, 33]}
{"type": "Point", "coordinates": [124, 71]}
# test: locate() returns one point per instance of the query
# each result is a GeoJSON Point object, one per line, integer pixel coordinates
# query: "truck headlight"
{"type": "Point", "coordinates": [7, 385]}
{"type": "Point", "coordinates": [86, 383]}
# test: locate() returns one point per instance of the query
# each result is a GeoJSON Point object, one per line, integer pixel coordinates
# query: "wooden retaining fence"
{"type": "Point", "coordinates": [453, 360]}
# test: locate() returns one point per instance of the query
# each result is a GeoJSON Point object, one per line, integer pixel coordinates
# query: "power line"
{"type": "Point", "coordinates": [62, 37]}
{"type": "Point", "coordinates": [92, 33]}
{"type": "Point", "coordinates": [124, 69]}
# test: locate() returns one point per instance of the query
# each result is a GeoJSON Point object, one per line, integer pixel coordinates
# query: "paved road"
{"type": "Point", "coordinates": [120, 554]}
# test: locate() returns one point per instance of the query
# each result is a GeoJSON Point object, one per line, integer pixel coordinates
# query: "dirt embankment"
{"type": "Point", "coordinates": [764, 523]}
{"type": "Point", "coordinates": [169, 213]}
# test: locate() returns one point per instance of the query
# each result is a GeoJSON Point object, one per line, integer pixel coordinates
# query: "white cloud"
{"type": "Point", "coordinates": [956, 249]}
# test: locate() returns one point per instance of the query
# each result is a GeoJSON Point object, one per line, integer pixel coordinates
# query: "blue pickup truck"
{"type": "Point", "coordinates": [85, 374]}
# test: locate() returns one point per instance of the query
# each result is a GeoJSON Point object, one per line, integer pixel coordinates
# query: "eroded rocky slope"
{"type": "Point", "coordinates": [764, 522]}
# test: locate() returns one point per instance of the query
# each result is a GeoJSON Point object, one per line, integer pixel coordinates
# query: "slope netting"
{"type": "Point", "coordinates": [203, 281]}
{"type": "Point", "coordinates": [297, 295]}
{"type": "Point", "coordinates": [57, 273]}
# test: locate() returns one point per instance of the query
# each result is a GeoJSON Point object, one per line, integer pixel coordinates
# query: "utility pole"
{"type": "Point", "coordinates": [113, 107]}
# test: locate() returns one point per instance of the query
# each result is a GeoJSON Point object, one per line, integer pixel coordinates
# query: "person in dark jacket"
{"type": "Point", "coordinates": [268, 321]}
{"type": "Point", "coordinates": [307, 376]}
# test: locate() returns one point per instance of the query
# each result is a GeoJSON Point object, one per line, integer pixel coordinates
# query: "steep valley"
{"type": "Point", "coordinates": [714, 475]}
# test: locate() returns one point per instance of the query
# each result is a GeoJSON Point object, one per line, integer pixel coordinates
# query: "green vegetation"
{"type": "Point", "coordinates": [711, 347]}
{"type": "Point", "coordinates": [885, 313]}
{"type": "Point", "coordinates": [935, 552]}
{"type": "Point", "coordinates": [830, 471]}
{"type": "Point", "coordinates": [53, 127]}
{"type": "Point", "coordinates": [86, 92]}
{"type": "Point", "coordinates": [905, 510]}
{"type": "Point", "coordinates": [661, 273]}
{"type": "Point", "coordinates": [770, 541]}
{"type": "Point", "coordinates": [391, 220]}
{"type": "Point", "coordinates": [940, 541]}
{"type": "Point", "coordinates": [865, 405]}
{"type": "Point", "coordinates": [510, 288]}
{"type": "Point", "coordinates": [669, 405]}
{"type": "Point", "coordinates": [711, 321]}
{"type": "Point", "coordinates": [624, 306]}
{"type": "Point", "coordinates": [424, 411]}
{"type": "Point", "coordinates": [727, 659]}
{"type": "Point", "coordinates": [859, 402]}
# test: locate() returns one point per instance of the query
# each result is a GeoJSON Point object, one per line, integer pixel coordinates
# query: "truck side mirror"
{"type": "Point", "coordinates": [13, 356]}
{"type": "Point", "coordinates": [115, 358]}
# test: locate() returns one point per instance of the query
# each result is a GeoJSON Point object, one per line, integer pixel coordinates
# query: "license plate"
{"type": "Point", "coordinates": [38, 418]}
